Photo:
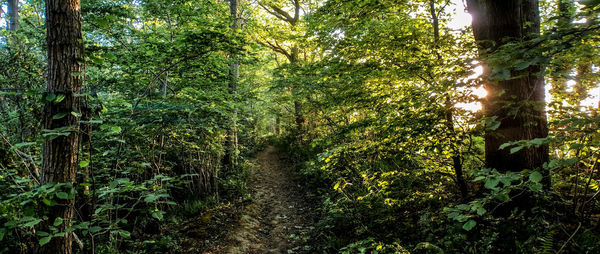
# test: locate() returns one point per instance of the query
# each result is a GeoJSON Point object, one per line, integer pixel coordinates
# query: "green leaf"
{"type": "Point", "coordinates": [48, 202]}
{"type": "Point", "coordinates": [453, 215]}
{"type": "Point", "coordinates": [42, 233]}
{"type": "Point", "coordinates": [522, 65]}
{"type": "Point", "coordinates": [535, 177]}
{"type": "Point", "coordinates": [506, 180]}
{"type": "Point", "coordinates": [536, 187]}
{"type": "Point", "coordinates": [479, 178]}
{"type": "Point", "coordinates": [115, 129]}
{"type": "Point", "coordinates": [50, 97]}
{"type": "Point", "coordinates": [469, 225]}
{"type": "Point", "coordinates": [516, 149]}
{"type": "Point", "coordinates": [84, 164]}
{"type": "Point", "coordinates": [124, 234]}
{"type": "Point", "coordinates": [32, 223]}
{"type": "Point", "coordinates": [59, 116]}
{"type": "Point", "coordinates": [571, 161]}
{"type": "Point", "coordinates": [62, 195]}
{"type": "Point", "coordinates": [481, 211]}
{"type": "Point", "coordinates": [58, 221]}
{"type": "Point", "coordinates": [493, 125]}
{"type": "Point", "coordinates": [505, 145]}
{"type": "Point", "coordinates": [94, 229]}
{"type": "Point", "coordinates": [538, 141]}
{"type": "Point", "coordinates": [502, 74]}
{"type": "Point", "coordinates": [491, 182]}
{"type": "Point", "coordinates": [463, 207]}
{"type": "Point", "coordinates": [158, 215]}
{"type": "Point", "coordinates": [59, 98]}
{"type": "Point", "coordinates": [502, 197]}
{"type": "Point", "coordinates": [151, 198]}
{"type": "Point", "coordinates": [24, 144]}
{"type": "Point", "coordinates": [45, 240]}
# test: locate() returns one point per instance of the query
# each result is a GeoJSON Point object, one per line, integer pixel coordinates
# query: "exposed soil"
{"type": "Point", "coordinates": [279, 218]}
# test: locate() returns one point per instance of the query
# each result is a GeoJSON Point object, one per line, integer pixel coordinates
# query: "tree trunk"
{"type": "Point", "coordinates": [298, 114]}
{"type": "Point", "coordinates": [65, 56]}
{"type": "Point", "coordinates": [13, 15]}
{"type": "Point", "coordinates": [563, 64]}
{"type": "Point", "coordinates": [277, 125]}
{"type": "Point", "coordinates": [292, 55]}
{"type": "Point", "coordinates": [518, 102]}
{"type": "Point", "coordinates": [231, 141]}
{"type": "Point", "coordinates": [449, 114]}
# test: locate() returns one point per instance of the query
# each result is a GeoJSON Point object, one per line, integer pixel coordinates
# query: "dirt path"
{"type": "Point", "coordinates": [279, 218]}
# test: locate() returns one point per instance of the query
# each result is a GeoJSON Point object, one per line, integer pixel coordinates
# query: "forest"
{"type": "Point", "coordinates": [299, 126]}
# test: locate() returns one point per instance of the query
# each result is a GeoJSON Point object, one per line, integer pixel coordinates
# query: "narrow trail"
{"type": "Point", "coordinates": [279, 218]}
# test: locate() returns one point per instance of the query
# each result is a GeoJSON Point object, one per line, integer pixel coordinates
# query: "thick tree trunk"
{"type": "Point", "coordinates": [65, 56]}
{"type": "Point", "coordinates": [13, 15]}
{"type": "Point", "coordinates": [518, 102]}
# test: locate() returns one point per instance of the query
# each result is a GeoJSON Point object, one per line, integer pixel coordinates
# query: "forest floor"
{"type": "Point", "coordinates": [279, 219]}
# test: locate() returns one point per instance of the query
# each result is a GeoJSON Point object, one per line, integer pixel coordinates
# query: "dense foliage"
{"type": "Point", "coordinates": [153, 121]}
{"type": "Point", "coordinates": [378, 104]}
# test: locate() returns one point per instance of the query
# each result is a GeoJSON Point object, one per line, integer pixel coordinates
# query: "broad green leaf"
{"type": "Point", "coordinates": [158, 215]}
{"type": "Point", "coordinates": [516, 149]}
{"type": "Point", "coordinates": [50, 97]}
{"type": "Point", "coordinates": [94, 229]}
{"type": "Point", "coordinates": [59, 116]}
{"type": "Point", "coordinates": [481, 211]}
{"type": "Point", "coordinates": [44, 240]}
{"type": "Point", "coordinates": [502, 197]}
{"type": "Point", "coordinates": [493, 125]}
{"type": "Point", "coordinates": [32, 223]}
{"type": "Point", "coordinates": [48, 202]}
{"type": "Point", "coordinates": [505, 145]}
{"type": "Point", "coordinates": [124, 234]}
{"type": "Point", "coordinates": [463, 207]}
{"type": "Point", "coordinates": [479, 178]}
{"type": "Point", "coordinates": [491, 182]}
{"type": "Point", "coordinates": [536, 187]}
{"type": "Point", "coordinates": [151, 198]}
{"type": "Point", "coordinates": [62, 195]}
{"type": "Point", "coordinates": [535, 177]}
{"type": "Point", "coordinates": [469, 225]}
{"type": "Point", "coordinates": [115, 128]}
{"type": "Point", "coordinates": [58, 221]}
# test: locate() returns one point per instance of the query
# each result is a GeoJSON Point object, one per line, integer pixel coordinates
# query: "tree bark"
{"type": "Point", "coordinates": [13, 15]}
{"type": "Point", "coordinates": [65, 57]}
{"type": "Point", "coordinates": [298, 114]}
{"type": "Point", "coordinates": [231, 141]}
{"type": "Point", "coordinates": [517, 102]}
